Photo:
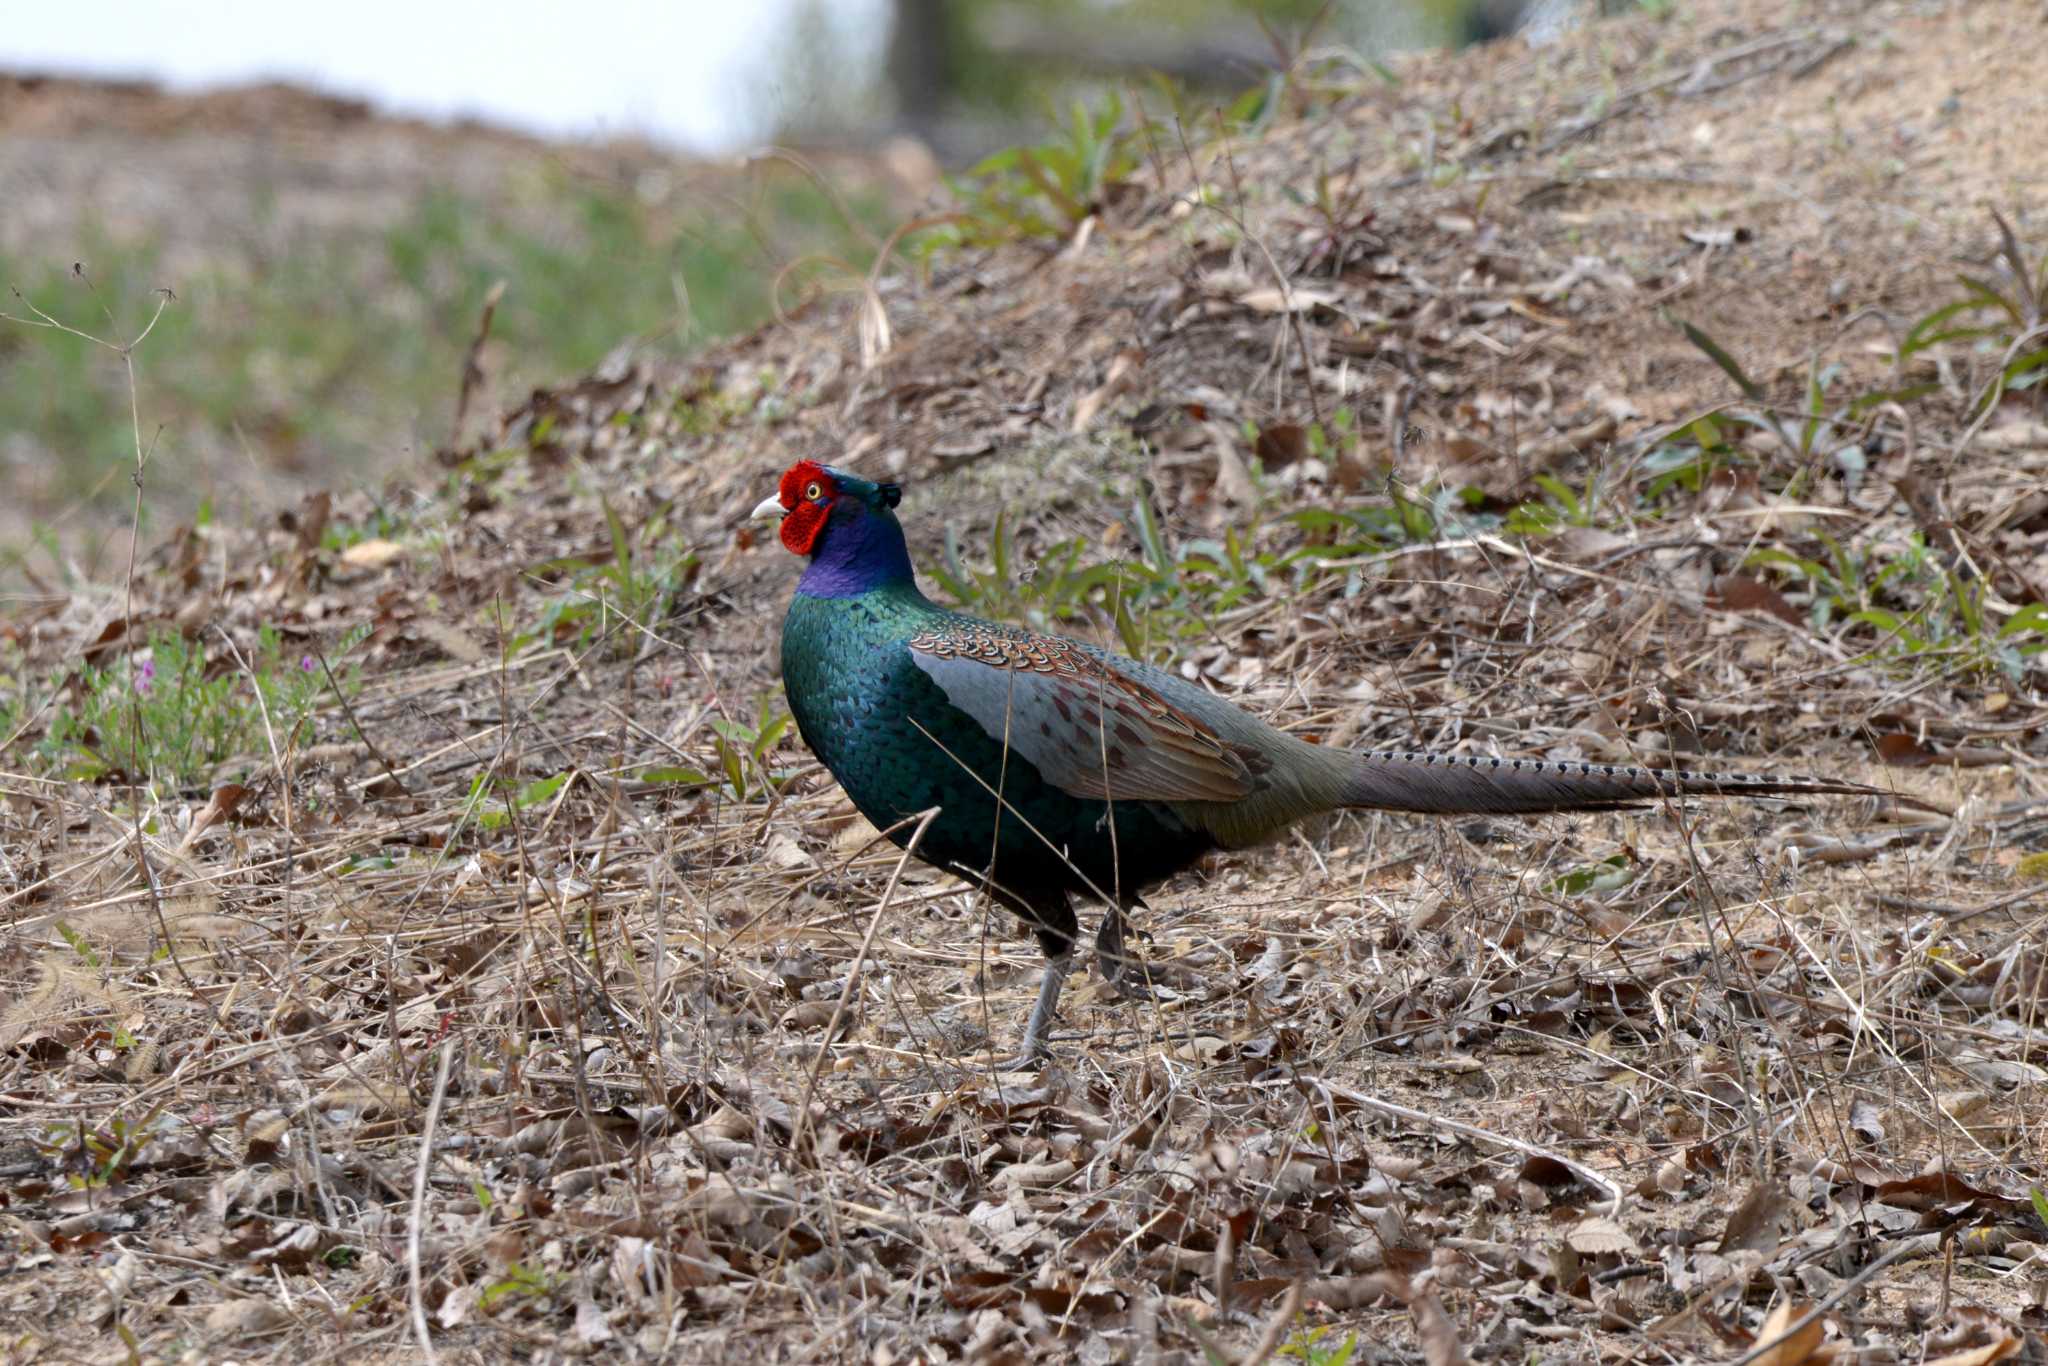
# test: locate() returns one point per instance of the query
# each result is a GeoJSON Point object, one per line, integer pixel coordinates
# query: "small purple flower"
{"type": "Point", "coordinates": [306, 664]}
{"type": "Point", "coordinates": [145, 676]}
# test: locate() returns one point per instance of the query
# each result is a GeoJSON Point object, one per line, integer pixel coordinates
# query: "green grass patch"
{"type": "Point", "coordinates": [616, 600]}
{"type": "Point", "coordinates": [1043, 190]}
{"type": "Point", "coordinates": [343, 351]}
{"type": "Point", "coordinates": [1170, 593]}
{"type": "Point", "coordinates": [168, 717]}
{"type": "Point", "coordinates": [1909, 608]}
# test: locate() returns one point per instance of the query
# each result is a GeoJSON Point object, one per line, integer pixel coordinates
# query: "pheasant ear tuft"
{"type": "Point", "coordinates": [891, 494]}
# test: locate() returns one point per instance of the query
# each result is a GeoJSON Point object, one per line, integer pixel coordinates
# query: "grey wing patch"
{"type": "Point", "coordinates": [1088, 729]}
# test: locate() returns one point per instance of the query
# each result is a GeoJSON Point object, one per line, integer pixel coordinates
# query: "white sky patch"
{"type": "Point", "coordinates": [699, 74]}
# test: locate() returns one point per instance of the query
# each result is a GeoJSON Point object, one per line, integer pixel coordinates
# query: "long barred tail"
{"type": "Point", "coordinates": [1457, 783]}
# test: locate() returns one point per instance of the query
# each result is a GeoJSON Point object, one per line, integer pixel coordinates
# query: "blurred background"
{"type": "Point", "coordinates": [305, 208]}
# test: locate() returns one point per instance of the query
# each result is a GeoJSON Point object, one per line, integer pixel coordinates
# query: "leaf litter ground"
{"type": "Point", "coordinates": [1656, 1086]}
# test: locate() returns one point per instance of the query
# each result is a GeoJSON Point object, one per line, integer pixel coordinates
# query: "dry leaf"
{"type": "Point", "coordinates": [872, 326]}
{"type": "Point", "coordinates": [809, 1015]}
{"type": "Point", "coordinates": [118, 1280]}
{"type": "Point", "coordinates": [225, 799]}
{"type": "Point", "coordinates": [1123, 372]}
{"type": "Point", "coordinates": [457, 1303]}
{"type": "Point", "coordinates": [1746, 593]}
{"type": "Point", "coordinates": [1586, 543]}
{"type": "Point", "coordinates": [1296, 300]}
{"type": "Point", "coordinates": [1946, 1191]}
{"type": "Point", "coordinates": [1596, 1236]}
{"type": "Point", "coordinates": [2008, 1346]}
{"type": "Point", "coordinates": [1233, 479]}
{"type": "Point", "coordinates": [1280, 445]}
{"type": "Point", "coordinates": [454, 642]}
{"type": "Point", "coordinates": [965, 448]}
{"type": "Point", "coordinates": [1036, 1174]}
{"type": "Point", "coordinates": [1795, 1349]}
{"type": "Point", "coordinates": [1901, 750]}
{"type": "Point", "coordinates": [1753, 1225]}
{"type": "Point", "coordinates": [1439, 1336]}
{"type": "Point", "coordinates": [371, 554]}
{"type": "Point", "coordinates": [593, 1325]}
{"type": "Point", "coordinates": [245, 1318]}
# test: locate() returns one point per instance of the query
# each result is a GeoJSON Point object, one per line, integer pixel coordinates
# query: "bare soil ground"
{"type": "Point", "coordinates": [683, 1079]}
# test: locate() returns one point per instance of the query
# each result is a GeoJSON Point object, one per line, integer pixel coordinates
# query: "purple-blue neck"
{"type": "Point", "coordinates": [861, 549]}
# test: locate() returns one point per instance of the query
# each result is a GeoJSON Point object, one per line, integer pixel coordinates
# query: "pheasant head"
{"type": "Point", "coordinates": [845, 524]}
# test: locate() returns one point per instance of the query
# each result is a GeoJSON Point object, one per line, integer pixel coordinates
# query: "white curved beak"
{"type": "Point", "coordinates": [767, 508]}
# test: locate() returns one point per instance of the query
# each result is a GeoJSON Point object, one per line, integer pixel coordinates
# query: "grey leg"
{"type": "Point", "coordinates": [1034, 1051]}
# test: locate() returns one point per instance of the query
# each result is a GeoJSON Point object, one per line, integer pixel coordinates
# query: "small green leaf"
{"type": "Point", "coordinates": [2022, 373]}
{"type": "Point", "coordinates": [1128, 632]}
{"type": "Point", "coordinates": [78, 944]}
{"type": "Point", "coordinates": [2032, 617]}
{"type": "Point", "coordinates": [735, 774]}
{"type": "Point", "coordinates": [1566, 497]}
{"type": "Point", "coordinates": [682, 777]}
{"type": "Point", "coordinates": [540, 790]}
{"type": "Point", "coordinates": [1750, 389]}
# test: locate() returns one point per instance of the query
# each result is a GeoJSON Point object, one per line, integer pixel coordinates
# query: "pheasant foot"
{"type": "Point", "coordinates": [1034, 1052]}
{"type": "Point", "coordinates": [1132, 977]}
{"type": "Point", "coordinates": [1125, 972]}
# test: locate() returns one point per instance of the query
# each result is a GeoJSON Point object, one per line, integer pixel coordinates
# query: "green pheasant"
{"type": "Point", "coordinates": [1062, 770]}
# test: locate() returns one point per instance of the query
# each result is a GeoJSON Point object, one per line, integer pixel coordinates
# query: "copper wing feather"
{"type": "Point", "coordinates": [1089, 729]}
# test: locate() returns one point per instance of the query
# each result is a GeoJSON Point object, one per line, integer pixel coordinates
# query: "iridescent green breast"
{"type": "Point", "coordinates": [898, 746]}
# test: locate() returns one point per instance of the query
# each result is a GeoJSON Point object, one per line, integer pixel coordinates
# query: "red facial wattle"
{"type": "Point", "coordinates": [807, 491]}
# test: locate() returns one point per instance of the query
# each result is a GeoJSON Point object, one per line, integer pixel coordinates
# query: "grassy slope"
{"type": "Point", "coordinates": [559, 840]}
{"type": "Point", "coordinates": [329, 275]}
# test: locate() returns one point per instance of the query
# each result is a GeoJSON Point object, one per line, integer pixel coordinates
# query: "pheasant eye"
{"type": "Point", "coordinates": [813, 491]}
